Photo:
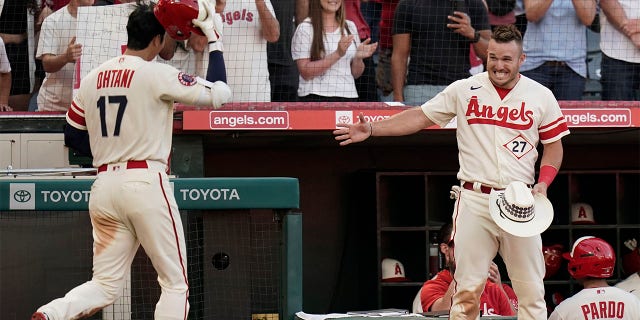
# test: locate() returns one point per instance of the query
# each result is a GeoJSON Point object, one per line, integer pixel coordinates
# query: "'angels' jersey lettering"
{"type": "Point", "coordinates": [500, 134]}
{"type": "Point", "coordinates": [519, 119]}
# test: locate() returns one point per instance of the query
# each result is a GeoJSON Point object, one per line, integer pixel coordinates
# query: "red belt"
{"type": "Point", "coordinates": [483, 188]}
{"type": "Point", "coordinates": [131, 164]}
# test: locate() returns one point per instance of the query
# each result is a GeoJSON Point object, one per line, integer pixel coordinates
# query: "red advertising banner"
{"type": "Point", "coordinates": [296, 116]}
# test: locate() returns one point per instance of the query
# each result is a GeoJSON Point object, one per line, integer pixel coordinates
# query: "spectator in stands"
{"type": "Point", "coordinates": [436, 293]}
{"type": "Point", "coordinates": [250, 24]}
{"type": "Point", "coordinates": [328, 52]}
{"type": "Point", "coordinates": [283, 72]}
{"type": "Point", "coordinates": [13, 31]}
{"type": "Point", "coordinates": [620, 45]}
{"type": "Point", "coordinates": [385, 48]}
{"type": "Point", "coordinates": [431, 46]}
{"type": "Point", "coordinates": [372, 11]}
{"type": "Point", "coordinates": [39, 74]}
{"type": "Point", "coordinates": [190, 55]}
{"type": "Point", "coordinates": [58, 50]}
{"type": "Point", "coordinates": [5, 79]}
{"type": "Point", "coordinates": [556, 45]}
{"type": "Point", "coordinates": [501, 12]}
{"type": "Point", "coordinates": [366, 83]}
{"type": "Point", "coordinates": [521, 17]}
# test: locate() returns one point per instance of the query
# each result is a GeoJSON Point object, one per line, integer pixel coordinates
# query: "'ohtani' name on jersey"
{"type": "Point", "coordinates": [120, 78]}
{"type": "Point", "coordinates": [603, 310]}
{"type": "Point", "coordinates": [519, 119]}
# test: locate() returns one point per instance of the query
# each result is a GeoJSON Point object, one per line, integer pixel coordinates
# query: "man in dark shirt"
{"type": "Point", "coordinates": [436, 38]}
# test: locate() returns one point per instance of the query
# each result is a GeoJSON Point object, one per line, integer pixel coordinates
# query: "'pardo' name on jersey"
{"type": "Point", "coordinates": [65, 195]}
{"type": "Point", "coordinates": [209, 194]}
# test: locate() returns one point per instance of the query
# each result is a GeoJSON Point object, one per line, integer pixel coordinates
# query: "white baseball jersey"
{"type": "Point", "coordinates": [500, 136]}
{"type": "Point", "coordinates": [598, 303]}
{"type": "Point", "coordinates": [245, 51]}
{"type": "Point", "coordinates": [126, 104]}
{"type": "Point", "coordinates": [631, 284]}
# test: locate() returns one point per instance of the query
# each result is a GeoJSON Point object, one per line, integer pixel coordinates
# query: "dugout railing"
{"type": "Point", "coordinates": [244, 245]}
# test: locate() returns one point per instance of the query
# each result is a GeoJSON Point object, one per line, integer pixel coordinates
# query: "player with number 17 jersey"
{"type": "Point", "coordinates": [126, 105]}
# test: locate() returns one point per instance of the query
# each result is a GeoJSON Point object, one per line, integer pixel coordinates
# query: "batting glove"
{"type": "Point", "coordinates": [220, 94]}
{"type": "Point", "coordinates": [210, 23]}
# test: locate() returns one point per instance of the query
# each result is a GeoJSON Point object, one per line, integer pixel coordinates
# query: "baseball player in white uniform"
{"type": "Point", "coordinates": [126, 107]}
{"type": "Point", "coordinates": [501, 118]}
{"type": "Point", "coordinates": [591, 261]}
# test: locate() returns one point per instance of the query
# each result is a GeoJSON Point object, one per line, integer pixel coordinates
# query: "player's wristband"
{"type": "Point", "coordinates": [547, 174]}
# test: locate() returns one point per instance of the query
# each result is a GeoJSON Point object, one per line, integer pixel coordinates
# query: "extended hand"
{"type": "Point", "coordinates": [366, 49]}
{"type": "Point", "coordinates": [74, 50]}
{"type": "Point", "coordinates": [349, 133]}
{"type": "Point", "coordinates": [344, 43]}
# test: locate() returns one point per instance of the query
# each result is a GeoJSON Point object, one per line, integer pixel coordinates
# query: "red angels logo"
{"type": "Point", "coordinates": [503, 116]}
{"type": "Point", "coordinates": [231, 16]}
{"type": "Point", "coordinates": [582, 213]}
{"type": "Point", "coordinates": [398, 270]}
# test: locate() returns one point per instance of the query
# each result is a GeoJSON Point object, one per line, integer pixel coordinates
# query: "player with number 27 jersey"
{"type": "Point", "coordinates": [501, 134]}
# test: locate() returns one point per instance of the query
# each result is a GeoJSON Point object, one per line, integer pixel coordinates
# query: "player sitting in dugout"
{"type": "Point", "coordinates": [435, 294]}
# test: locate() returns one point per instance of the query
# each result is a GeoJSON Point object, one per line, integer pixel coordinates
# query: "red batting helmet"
{"type": "Point", "coordinates": [591, 257]}
{"type": "Point", "coordinates": [552, 259]}
{"type": "Point", "coordinates": [176, 15]}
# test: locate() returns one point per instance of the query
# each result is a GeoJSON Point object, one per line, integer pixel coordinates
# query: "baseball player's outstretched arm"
{"type": "Point", "coordinates": [404, 123]}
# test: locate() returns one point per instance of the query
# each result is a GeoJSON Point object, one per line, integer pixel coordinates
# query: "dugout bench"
{"type": "Point", "coordinates": [244, 246]}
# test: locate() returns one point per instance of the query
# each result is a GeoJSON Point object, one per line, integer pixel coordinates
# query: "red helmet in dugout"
{"type": "Point", "coordinates": [591, 257]}
{"type": "Point", "coordinates": [176, 15]}
{"type": "Point", "coordinates": [552, 259]}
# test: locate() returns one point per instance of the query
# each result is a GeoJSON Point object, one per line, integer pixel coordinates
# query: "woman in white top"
{"type": "Point", "coordinates": [328, 52]}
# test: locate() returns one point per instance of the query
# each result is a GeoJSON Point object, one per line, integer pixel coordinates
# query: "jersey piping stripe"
{"type": "Point", "coordinates": [561, 119]}
{"type": "Point", "coordinates": [76, 116]}
{"type": "Point", "coordinates": [455, 219]}
{"type": "Point", "coordinates": [175, 233]}
{"type": "Point", "coordinates": [556, 132]}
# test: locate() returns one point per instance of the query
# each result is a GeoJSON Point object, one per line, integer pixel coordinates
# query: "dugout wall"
{"type": "Point", "coordinates": [244, 245]}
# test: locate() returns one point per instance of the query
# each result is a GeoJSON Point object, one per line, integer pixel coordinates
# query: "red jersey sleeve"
{"type": "Point", "coordinates": [435, 289]}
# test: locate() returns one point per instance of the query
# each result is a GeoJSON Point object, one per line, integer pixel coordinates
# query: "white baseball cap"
{"type": "Point", "coordinates": [582, 213]}
{"type": "Point", "coordinates": [518, 212]}
{"type": "Point", "coordinates": [392, 271]}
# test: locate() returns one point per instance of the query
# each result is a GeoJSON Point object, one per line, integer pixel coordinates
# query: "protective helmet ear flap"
{"type": "Point", "coordinates": [591, 257]}
{"type": "Point", "coordinates": [176, 15]}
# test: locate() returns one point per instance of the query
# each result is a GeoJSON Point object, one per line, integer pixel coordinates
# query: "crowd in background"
{"type": "Point", "coordinates": [352, 50]}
